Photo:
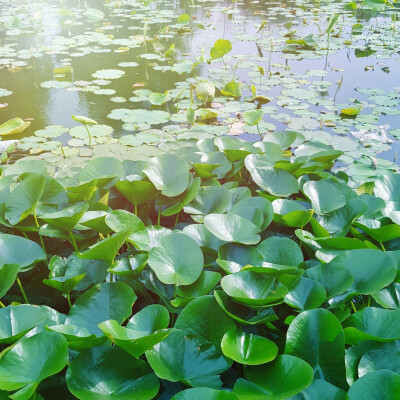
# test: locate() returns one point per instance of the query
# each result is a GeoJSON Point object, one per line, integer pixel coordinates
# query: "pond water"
{"type": "Point", "coordinates": [306, 76]}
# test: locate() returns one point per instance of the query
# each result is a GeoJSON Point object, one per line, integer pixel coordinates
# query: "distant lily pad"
{"type": "Point", "coordinates": [108, 74]}
{"type": "Point", "coordinates": [55, 84]}
{"type": "Point", "coordinates": [5, 92]}
{"type": "Point", "coordinates": [140, 116]}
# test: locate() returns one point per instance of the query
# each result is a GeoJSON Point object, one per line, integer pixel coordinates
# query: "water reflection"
{"type": "Point", "coordinates": [48, 26]}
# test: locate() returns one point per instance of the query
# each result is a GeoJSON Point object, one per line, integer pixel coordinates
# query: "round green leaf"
{"type": "Point", "coordinates": [232, 228]}
{"type": "Point", "coordinates": [281, 250]}
{"type": "Point", "coordinates": [169, 173]}
{"type": "Point", "coordinates": [209, 199]}
{"type": "Point", "coordinates": [204, 318]}
{"type": "Point", "coordinates": [372, 269]}
{"type": "Point", "coordinates": [276, 181]}
{"type": "Point", "coordinates": [121, 220]}
{"type": "Point", "coordinates": [279, 380]}
{"type": "Point", "coordinates": [15, 321]}
{"type": "Point", "coordinates": [185, 357]}
{"type": "Point", "coordinates": [253, 288]}
{"type": "Point", "coordinates": [317, 337]}
{"type": "Point", "coordinates": [324, 196]}
{"type": "Point", "coordinates": [177, 259]}
{"type": "Point", "coordinates": [374, 360]}
{"type": "Point", "coordinates": [103, 169]}
{"type": "Point", "coordinates": [201, 287]}
{"type": "Point", "coordinates": [18, 250]}
{"type": "Point", "coordinates": [241, 313]}
{"type": "Point", "coordinates": [378, 385]}
{"type": "Point", "coordinates": [32, 360]}
{"type": "Point", "coordinates": [233, 257]}
{"type": "Point", "coordinates": [249, 205]}
{"type": "Point", "coordinates": [136, 192]}
{"type": "Point", "coordinates": [334, 277]}
{"type": "Point", "coordinates": [372, 324]}
{"type": "Point", "coordinates": [246, 348]}
{"type": "Point", "coordinates": [108, 300]}
{"type": "Point", "coordinates": [105, 373]}
{"type": "Point", "coordinates": [306, 294]}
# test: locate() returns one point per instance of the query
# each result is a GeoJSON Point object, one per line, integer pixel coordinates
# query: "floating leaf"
{"type": "Point", "coordinates": [13, 126]}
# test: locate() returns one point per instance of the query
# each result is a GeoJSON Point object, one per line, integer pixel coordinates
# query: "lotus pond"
{"type": "Point", "coordinates": [201, 200]}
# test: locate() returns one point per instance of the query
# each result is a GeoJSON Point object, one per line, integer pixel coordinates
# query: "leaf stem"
{"type": "Point", "coordinates": [22, 291]}
{"type": "Point", "coordinates": [258, 129]}
{"type": "Point", "coordinates": [159, 216]}
{"type": "Point", "coordinates": [40, 236]}
{"type": "Point", "coordinates": [226, 67]}
{"type": "Point", "coordinates": [73, 241]}
{"type": "Point", "coordinates": [69, 301]}
{"type": "Point", "coordinates": [177, 219]}
{"type": "Point", "coordinates": [90, 138]}
{"type": "Point", "coordinates": [354, 307]}
{"type": "Point", "coordinates": [2, 305]}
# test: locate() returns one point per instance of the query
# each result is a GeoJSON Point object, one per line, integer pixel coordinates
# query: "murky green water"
{"type": "Point", "coordinates": [308, 85]}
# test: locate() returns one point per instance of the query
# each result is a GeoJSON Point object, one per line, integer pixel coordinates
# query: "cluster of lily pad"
{"type": "Point", "coordinates": [300, 100]}
{"type": "Point", "coordinates": [224, 270]}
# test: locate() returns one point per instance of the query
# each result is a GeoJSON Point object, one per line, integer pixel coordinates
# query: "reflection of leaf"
{"type": "Point", "coordinates": [183, 19]}
{"type": "Point", "coordinates": [375, 5]}
{"type": "Point", "coordinates": [364, 52]}
{"type": "Point", "coordinates": [94, 14]}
